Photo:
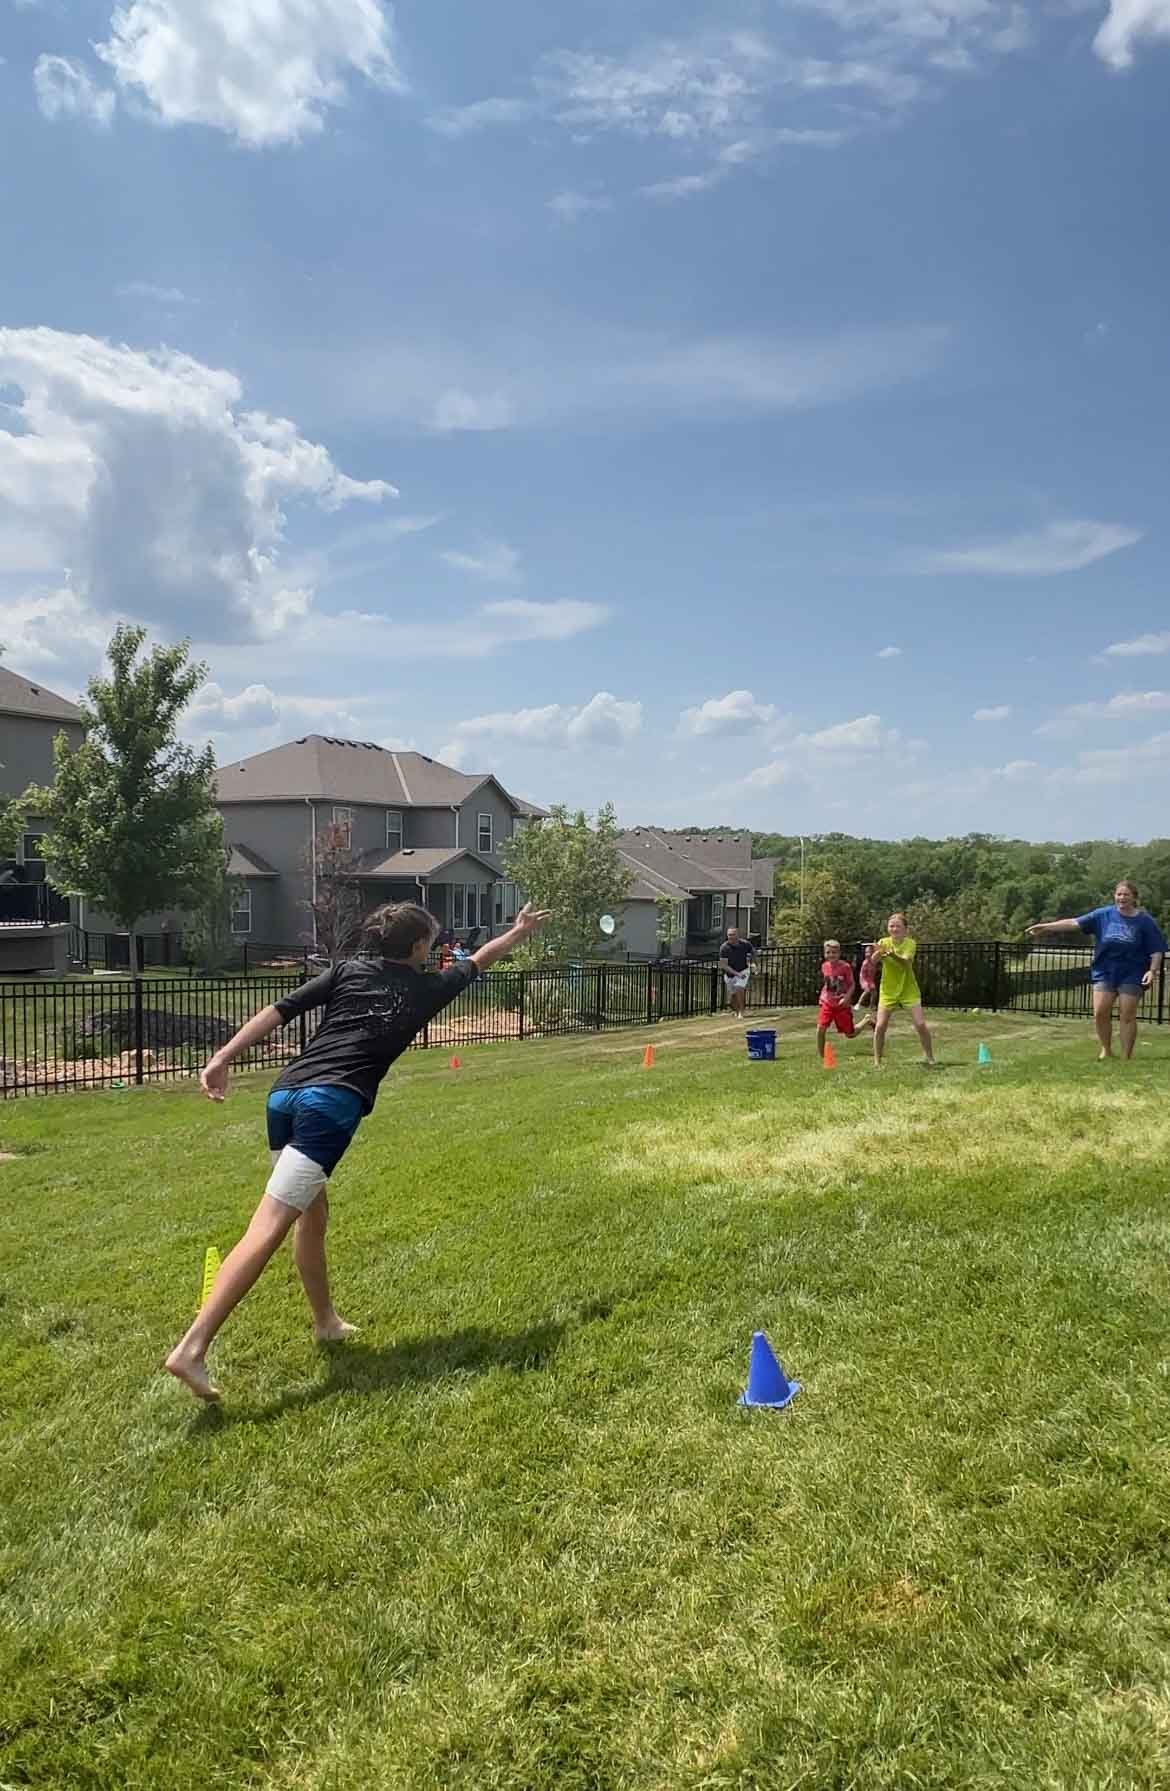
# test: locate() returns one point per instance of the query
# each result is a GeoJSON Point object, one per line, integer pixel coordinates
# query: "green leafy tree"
{"type": "Point", "coordinates": [132, 816]}
{"type": "Point", "coordinates": [208, 940]}
{"type": "Point", "coordinates": [834, 908]}
{"type": "Point", "coordinates": [573, 867]}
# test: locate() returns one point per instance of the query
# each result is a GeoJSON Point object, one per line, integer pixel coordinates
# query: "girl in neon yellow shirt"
{"type": "Point", "coordinates": [899, 988]}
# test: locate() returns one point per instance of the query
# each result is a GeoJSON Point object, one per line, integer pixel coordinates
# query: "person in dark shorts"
{"type": "Point", "coordinates": [735, 961]}
{"type": "Point", "coordinates": [374, 1006]}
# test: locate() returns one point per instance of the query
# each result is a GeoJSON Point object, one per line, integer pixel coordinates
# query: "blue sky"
{"type": "Point", "coordinates": [751, 413]}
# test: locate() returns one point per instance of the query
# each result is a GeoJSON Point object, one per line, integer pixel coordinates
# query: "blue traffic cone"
{"type": "Point", "coordinates": [984, 1054]}
{"type": "Point", "coordinates": [767, 1383]}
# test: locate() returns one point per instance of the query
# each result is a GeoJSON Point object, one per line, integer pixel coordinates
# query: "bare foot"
{"type": "Point", "coordinates": [336, 1331]}
{"type": "Point", "coordinates": [192, 1371]}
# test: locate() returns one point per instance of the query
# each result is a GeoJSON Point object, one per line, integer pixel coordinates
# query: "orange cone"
{"type": "Point", "coordinates": [455, 1064]}
{"type": "Point", "coordinates": [648, 1058]}
{"type": "Point", "coordinates": [830, 1056]}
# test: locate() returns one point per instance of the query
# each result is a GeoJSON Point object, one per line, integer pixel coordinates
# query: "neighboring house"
{"type": "Point", "coordinates": [417, 831]}
{"type": "Point", "coordinates": [711, 881]}
{"type": "Point", "coordinates": [31, 717]}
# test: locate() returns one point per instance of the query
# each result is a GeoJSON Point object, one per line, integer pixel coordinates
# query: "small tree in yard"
{"type": "Point", "coordinates": [132, 816]}
{"type": "Point", "coordinates": [207, 933]}
{"type": "Point", "coordinates": [335, 906]}
{"type": "Point", "coordinates": [575, 869]}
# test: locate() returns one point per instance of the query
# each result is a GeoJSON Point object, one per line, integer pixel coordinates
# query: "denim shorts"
{"type": "Point", "coordinates": [309, 1131]}
{"type": "Point", "coordinates": [1137, 989]}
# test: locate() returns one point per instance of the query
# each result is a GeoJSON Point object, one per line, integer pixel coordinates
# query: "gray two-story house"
{"type": "Point", "coordinates": [31, 717]}
{"type": "Point", "coordinates": [410, 829]}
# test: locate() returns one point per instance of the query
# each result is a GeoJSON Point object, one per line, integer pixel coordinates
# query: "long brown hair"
{"type": "Point", "coordinates": [394, 929]}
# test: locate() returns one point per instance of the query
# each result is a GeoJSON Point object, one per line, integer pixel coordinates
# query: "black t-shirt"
{"type": "Point", "coordinates": [372, 1012]}
{"type": "Point", "coordinates": [737, 954]}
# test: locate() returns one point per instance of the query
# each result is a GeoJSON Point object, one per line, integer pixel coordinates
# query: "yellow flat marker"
{"type": "Point", "coordinates": [210, 1271]}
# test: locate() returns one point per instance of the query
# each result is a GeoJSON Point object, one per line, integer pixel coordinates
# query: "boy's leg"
{"type": "Point", "coordinates": [821, 1031]}
{"type": "Point", "coordinates": [309, 1256]}
{"type": "Point", "coordinates": [241, 1269]}
{"type": "Point", "coordinates": [1103, 1000]}
{"type": "Point", "coordinates": [1127, 1007]}
{"type": "Point", "coordinates": [879, 1034]}
{"type": "Point", "coordinates": [923, 1030]}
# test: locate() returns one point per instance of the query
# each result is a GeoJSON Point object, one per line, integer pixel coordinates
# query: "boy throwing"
{"type": "Point", "coordinates": [374, 1005]}
{"type": "Point", "coordinates": [835, 1009]}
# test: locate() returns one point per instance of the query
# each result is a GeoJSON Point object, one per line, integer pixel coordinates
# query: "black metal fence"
{"type": "Point", "coordinates": [70, 1033]}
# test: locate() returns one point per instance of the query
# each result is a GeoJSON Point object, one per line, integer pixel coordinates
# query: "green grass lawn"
{"type": "Point", "coordinates": [520, 1535]}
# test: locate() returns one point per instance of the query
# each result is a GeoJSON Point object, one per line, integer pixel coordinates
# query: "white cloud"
{"type": "Point", "coordinates": [456, 410]}
{"type": "Point", "coordinates": [1116, 765]}
{"type": "Point", "coordinates": [156, 295]}
{"type": "Point", "coordinates": [65, 90]}
{"type": "Point", "coordinates": [736, 713]}
{"type": "Point", "coordinates": [496, 562]}
{"type": "Point", "coordinates": [826, 751]}
{"type": "Point", "coordinates": [604, 721]}
{"type": "Point", "coordinates": [1142, 645]}
{"type": "Point", "coordinates": [461, 121]}
{"type": "Point", "coordinates": [487, 630]}
{"type": "Point", "coordinates": [570, 205]}
{"type": "Point", "coordinates": [1127, 705]}
{"type": "Point", "coordinates": [144, 474]}
{"type": "Point", "coordinates": [264, 71]}
{"type": "Point", "coordinates": [1130, 22]}
{"type": "Point", "coordinates": [998, 712]}
{"type": "Point", "coordinates": [890, 653]}
{"type": "Point", "coordinates": [254, 707]}
{"type": "Point", "coordinates": [1017, 770]}
{"type": "Point", "coordinates": [755, 373]}
{"type": "Point", "coordinates": [1060, 547]}
{"type": "Point", "coordinates": [864, 734]}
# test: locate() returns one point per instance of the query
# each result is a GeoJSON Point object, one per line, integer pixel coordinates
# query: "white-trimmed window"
{"type": "Point", "coordinates": [241, 921]}
{"type": "Point", "coordinates": [716, 911]}
{"type": "Point", "coordinates": [511, 901]}
{"type": "Point", "coordinates": [458, 909]}
{"type": "Point", "coordinates": [393, 830]}
{"type": "Point", "coordinates": [32, 854]}
{"type": "Point", "coordinates": [484, 835]}
{"type": "Point", "coordinates": [343, 827]}
{"type": "Point", "coordinates": [519, 823]}
{"type": "Point", "coordinates": [498, 904]}
{"type": "Point", "coordinates": [472, 904]}
{"type": "Point", "coordinates": [678, 921]}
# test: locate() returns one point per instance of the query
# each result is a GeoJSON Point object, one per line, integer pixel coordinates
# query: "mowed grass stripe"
{"type": "Point", "coordinates": [520, 1535]}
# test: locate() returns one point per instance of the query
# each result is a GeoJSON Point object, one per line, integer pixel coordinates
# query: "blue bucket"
{"type": "Point", "coordinates": [761, 1046]}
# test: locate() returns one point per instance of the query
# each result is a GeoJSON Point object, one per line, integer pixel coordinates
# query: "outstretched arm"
{"type": "Point", "coordinates": [527, 922]}
{"type": "Point", "coordinates": [213, 1080]}
{"type": "Point", "coordinates": [1054, 926]}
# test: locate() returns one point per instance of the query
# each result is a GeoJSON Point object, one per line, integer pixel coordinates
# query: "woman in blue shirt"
{"type": "Point", "coordinates": [1129, 946]}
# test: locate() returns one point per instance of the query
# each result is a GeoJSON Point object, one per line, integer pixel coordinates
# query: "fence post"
{"type": "Point", "coordinates": [1162, 992]}
{"type": "Point", "coordinates": [601, 997]}
{"type": "Point", "coordinates": [649, 993]}
{"type": "Point", "coordinates": [138, 1031]}
{"type": "Point", "coordinates": [995, 979]}
{"type": "Point", "coordinates": [245, 957]}
{"type": "Point", "coordinates": [523, 974]}
{"type": "Point", "coordinates": [715, 990]}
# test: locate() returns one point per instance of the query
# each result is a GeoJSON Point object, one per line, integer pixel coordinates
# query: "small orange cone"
{"type": "Point", "coordinates": [830, 1056]}
{"type": "Point", "coordinates": [648, 1058]}
{"type": "Point", "coordinates": [455, 1064]}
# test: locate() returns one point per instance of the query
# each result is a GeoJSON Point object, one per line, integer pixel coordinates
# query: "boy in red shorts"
{"type": "Point", "coordinates": [835, 1008]}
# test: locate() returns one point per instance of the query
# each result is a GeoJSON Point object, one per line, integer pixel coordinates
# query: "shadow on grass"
{"type": "Point", "coordinates": [357, 1367]}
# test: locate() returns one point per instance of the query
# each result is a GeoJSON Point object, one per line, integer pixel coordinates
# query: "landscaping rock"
{"type": "Point", "coordinates": [161, 1030]}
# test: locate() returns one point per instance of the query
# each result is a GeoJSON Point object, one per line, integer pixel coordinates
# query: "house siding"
{"type": "Point", "coordinates": [487, 801]}
{"type": "Point", "coordinates": [26, 750]}
{"type": "Point", "coordinates": [280, 833]}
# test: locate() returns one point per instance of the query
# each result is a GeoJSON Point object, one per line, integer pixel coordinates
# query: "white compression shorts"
{"type": "Point", "coordinates": [296, 1180]}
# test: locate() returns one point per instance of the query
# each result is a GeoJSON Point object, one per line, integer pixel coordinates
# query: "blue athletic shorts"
{"type": "Point", "coordinates": [318, 1122]}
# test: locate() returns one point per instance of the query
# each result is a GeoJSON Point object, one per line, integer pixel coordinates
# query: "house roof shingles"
{"type": "Point", "coordinates": [324, 768]}
{"type": "Point", "coordinates": [243, 861]}
{"type": "Point", "coordinates": [20, 696]}
{"type": "Point", "coordinates": [654, 855]}
{"type": "Point", "coordinates": [418, 862]}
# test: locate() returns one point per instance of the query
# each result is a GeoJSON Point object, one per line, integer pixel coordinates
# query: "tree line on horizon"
{"type": "Point", "coordinates": [974, 886]}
